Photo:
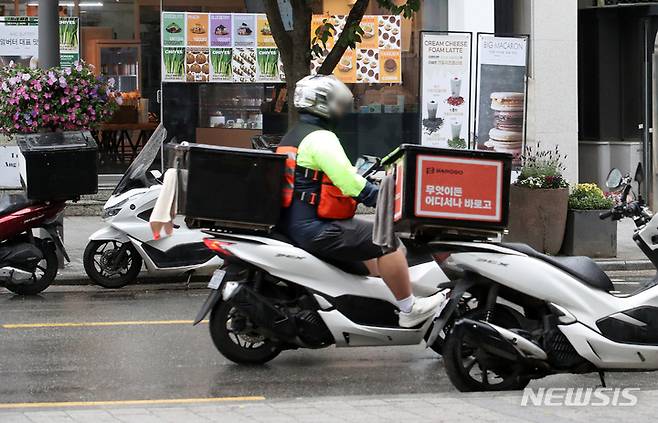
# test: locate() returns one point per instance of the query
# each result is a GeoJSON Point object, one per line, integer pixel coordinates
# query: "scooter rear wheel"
{"type": "Point", "coordinates": [232, 335]}
{"type": "Point", "coordinates": [106, 269]}
{"type": "Point", "coordinates": [45, 273]}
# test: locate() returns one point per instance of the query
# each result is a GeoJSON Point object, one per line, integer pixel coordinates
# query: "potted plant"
{"type": "Point", "coordinates": [538, 201]}
{"type": "Point", "coordinates": [53, 100]}
{"type": "Point", "coordinates": [586, 234]}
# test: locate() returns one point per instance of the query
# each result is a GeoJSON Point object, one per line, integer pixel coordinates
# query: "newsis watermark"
{"type": "Point", "coordinates": [580, 397]}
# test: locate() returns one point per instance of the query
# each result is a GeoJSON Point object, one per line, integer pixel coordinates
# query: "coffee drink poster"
{"type": "Point", "coordinates": [501, 91]}
{"type": "Point", "coordinates": [445, 89]}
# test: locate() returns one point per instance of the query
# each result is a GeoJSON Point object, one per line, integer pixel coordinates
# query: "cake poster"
{"type": "Point", "coordinates": [376, 59]}
{"type": "Point", "coordinates": [264, 33]}
{"type": "Point", "coordinates": [220, 30]}
{"type": "Point", "coordinates": [173, 24]}
{"type": "Point", "coordinates": [197, 29]}
{"type": "Point", "coordinates": [445, 89]}
{"type": "Point", "coordinates": [501, 92]}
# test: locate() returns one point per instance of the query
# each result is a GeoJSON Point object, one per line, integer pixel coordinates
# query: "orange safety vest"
{"type": "Point", "coordinates": [330, 201]}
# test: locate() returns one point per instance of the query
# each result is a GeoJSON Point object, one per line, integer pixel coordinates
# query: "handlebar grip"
{"type": "Point", "coordinates": [605, 215]}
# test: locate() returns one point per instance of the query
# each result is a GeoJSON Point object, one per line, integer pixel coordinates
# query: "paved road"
{"type": "Point", "coordinates": [89, 345]}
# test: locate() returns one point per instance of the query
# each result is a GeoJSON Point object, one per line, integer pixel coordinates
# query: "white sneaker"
{"type": "Point", "coordinates": [423, 309]}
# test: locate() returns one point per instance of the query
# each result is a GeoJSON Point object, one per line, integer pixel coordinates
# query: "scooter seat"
{"type": "Point", "coordinates": [10, 203]}
{"type": "Point", "coordinates": [582, 268]}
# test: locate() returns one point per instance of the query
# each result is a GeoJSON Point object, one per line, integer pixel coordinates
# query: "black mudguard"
{"type": "Point", "coordinates": [210, 303]}
{"type": "Point", "coordinates": [458, 291]}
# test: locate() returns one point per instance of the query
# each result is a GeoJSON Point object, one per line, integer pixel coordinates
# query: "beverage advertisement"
{"type": "Point", "coordinates": [244, 30]}
{"type": "Point", "coordinates": [264, 32]}
{"type": "Point", "coordinates": [501, 94]}
{"type": "Point", "coordinates": [173, 24]}
{"type": "Point", "coordinates": [445, 89]}
{"type": "Point", "coordinates": [197, 29]}
{"type": "Point", "coordinates": [459, 188]}
{"type": "Point", "coordinates": [220, 30]}
{"type": "Point", "coordinates": [19, 40]}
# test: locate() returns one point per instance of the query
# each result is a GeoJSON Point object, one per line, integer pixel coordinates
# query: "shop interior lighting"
{"type": "Point", "coordinates": [71, 4]}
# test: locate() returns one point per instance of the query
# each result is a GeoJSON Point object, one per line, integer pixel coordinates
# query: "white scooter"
{"type": "Point", "coordinates": [115, 254]}
{"type": "Point", "coordinates": [271, 296]}
{"type": "Point", "coordinates": [531, 315]}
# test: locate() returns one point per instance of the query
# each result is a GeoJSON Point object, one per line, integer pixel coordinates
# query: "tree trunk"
{"type": "Point", "coordinates": [294, 46]}
{"type": "Point", "coordinates": [352, 22]}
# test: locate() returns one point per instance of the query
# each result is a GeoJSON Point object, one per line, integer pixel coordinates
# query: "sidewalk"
{"type": "Point", "coordinates": [440, 407]}
{"type": "Point", "coordinates": [77, 230]}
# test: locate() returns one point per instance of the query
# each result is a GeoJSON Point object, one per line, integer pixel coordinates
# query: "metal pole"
{"type": "Point", "coordinates": [48, 33]}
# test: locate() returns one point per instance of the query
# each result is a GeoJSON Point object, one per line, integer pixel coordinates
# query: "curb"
{"type": "Point", "coordinates": [612, 265]}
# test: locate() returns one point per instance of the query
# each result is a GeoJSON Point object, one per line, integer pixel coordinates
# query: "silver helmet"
{"type": "Point", "coordinates": [323, 95]}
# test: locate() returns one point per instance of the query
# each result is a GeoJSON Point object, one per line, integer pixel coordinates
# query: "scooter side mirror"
{"type": "Point", "coordinates": [614, 180]}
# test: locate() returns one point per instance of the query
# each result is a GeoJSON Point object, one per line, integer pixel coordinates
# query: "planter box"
{"type": "Point", "coordinates": [538, 217]}
{"type": "Point", "coordinates": [587, 235]}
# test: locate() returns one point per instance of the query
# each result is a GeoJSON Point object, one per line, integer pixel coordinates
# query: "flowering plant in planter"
{"type": "Point", "coordinates": [542, 169]}
{"type": "Point", "coordinates": [589, 197]}
{"type": "Point", "coordinates": [57, 99]}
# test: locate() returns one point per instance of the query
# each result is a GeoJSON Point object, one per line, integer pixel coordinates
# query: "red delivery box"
{"type": "Point", "coordinates": [451, 192]}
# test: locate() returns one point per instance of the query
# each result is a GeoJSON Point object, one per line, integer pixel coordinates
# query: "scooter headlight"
{"type": "Point", "coordinates": [113, 210]}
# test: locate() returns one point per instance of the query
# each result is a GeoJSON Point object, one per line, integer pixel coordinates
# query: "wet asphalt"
{"type": "Point", "coordinates": [159, 355]}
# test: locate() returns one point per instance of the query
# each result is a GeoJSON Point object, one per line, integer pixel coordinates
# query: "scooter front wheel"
{"type": "Point", "coordinates": [234, 336]}
{"type": "Point", "coordinates": [111, 264]}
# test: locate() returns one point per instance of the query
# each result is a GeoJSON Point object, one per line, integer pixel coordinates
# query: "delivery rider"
{"type": "Point", "coordinates": [321, 192]}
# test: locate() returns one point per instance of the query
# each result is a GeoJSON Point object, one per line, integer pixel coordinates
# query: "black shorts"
{"type": "Point", "coordinates": [345, 240]}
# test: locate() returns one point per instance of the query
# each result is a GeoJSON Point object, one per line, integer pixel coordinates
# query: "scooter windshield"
{"type": "Point", "coordinates": [135, 176]}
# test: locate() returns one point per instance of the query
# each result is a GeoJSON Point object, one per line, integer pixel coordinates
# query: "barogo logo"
{"type": "Point", "coordinates": [580, 397]}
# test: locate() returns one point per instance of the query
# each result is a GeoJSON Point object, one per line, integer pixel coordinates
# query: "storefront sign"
{"type": "Point", "coordinates": [376, 59]}
{"type": "Point", "coordinates": [501, 89]}
{"type": "Point", "coordinates": [459, 188]}
{"type": "Point", "coordinates": [445, 89]}
{"type": "Point", "coordinates": [19, 40]}
{"type": "Point", "coordinates": [9, 174]}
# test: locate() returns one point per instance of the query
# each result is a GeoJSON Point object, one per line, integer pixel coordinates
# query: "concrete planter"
{"type": "Point", "coordinates": [587, 235]}
{"type": "Point", "coordinates": [538, 217]}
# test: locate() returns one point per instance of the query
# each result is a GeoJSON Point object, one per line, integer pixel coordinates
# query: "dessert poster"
{"type": "Point", "coordinates": [220, 30]}
{"type": "Point", "coordinates": [501, 91]}
{"type": "Point", "coordinates": [173, 24]}
{"type": "Point", "coordinates": [244, 30]}
{"type": "Point", "coordinates": [346, 68]}
{"type": "Point", "coordinates": [264, 33]}
{"type": "Point", "coordinates": [197, 29]}
{"type": "Point", "coordinates": [445, 89]}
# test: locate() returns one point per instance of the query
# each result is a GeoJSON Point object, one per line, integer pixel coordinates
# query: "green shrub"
{"type": "Point", "coordinates": [589, 197]}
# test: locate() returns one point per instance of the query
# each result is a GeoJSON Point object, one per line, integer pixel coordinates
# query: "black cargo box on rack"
{"type": "Point", "coordinates": [58, 165]}
{"type": "Point", "coordinates": [222, 187]}
{"type": "Point", "coordinates": [450, 193]}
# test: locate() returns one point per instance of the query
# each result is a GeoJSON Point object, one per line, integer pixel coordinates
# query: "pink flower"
{"type": "Point", "coordinates": [26, 77]}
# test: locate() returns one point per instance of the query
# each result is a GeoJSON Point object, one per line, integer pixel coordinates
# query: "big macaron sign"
{"type": "Point", "coordinates": [501, 94]}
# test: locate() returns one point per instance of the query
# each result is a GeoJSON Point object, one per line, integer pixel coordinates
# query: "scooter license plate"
{"type": "Point", "coordinates": [216, 279]}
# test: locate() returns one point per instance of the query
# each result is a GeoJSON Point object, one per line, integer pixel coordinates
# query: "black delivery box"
{"type": "Point", "coordinates": [222, 187]}
{"type": "Point", "coordinates": [58, 165]}
{"type": "Point", "coordinates": [458, 193]}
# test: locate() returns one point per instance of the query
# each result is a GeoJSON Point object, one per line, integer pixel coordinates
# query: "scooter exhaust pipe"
{"type": "Point", "coordinates": [13, 275]}
{"type": "Point", "coordinates": [499, 341]}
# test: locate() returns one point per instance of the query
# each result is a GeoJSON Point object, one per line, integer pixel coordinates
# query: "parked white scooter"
{"type": "Point", "coordinates": [532, 315]}
{"type": "Point", "coordinates": [115, 253]}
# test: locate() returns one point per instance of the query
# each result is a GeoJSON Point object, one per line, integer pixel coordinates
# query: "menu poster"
{"type": "Point", "coordinates": [501, 89]}
{"type": "Point", "coordinates": [221, 66]}
{"type": "Point", "coordinates": [380, 43]}
{"type": "Point", "coordinates": [197, 64]}
{"type": "Point", "coordinates": [244, 65]}
{"type": "Point", "coordinates": [244, 30]}
{"type": "Point", "coordinates": [197, 29]}
{"type": "Point", "coordinates": [346, 68]}
{"type": "Point", "coordinates": [19, 40]}
{"type": "Point", "coordinates": [173, 25]}
{"type": "Point", "coordinates": [267, 60]}
{"type": "Point", "coordinates": [173, 64]}
{"type": "Point", "coordinates": [445, 89]}
{"type": "Point", "coordinates": [264, 32]}
{"type": "Point", "coordinates": [220, 30]}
